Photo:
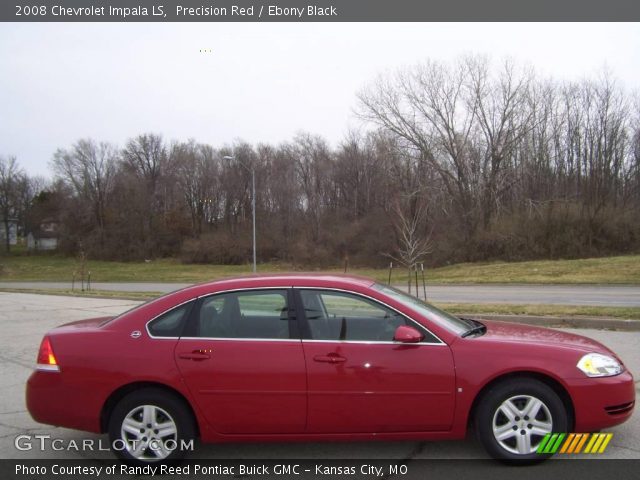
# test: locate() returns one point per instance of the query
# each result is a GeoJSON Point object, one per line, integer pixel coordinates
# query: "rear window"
{"type": "Point", "coordinates": [171, 323]}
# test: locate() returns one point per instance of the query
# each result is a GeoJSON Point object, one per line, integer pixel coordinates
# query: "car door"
{"type": "Point", "coordinates": [243, 362]}
{"type": "Point", "coordinates": [360, 380]}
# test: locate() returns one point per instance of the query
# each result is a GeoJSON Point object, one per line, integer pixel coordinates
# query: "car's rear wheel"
{"type": "Point", "coordinates": [514, 416]}
{"type": "Point", "coordinates": [149, 426]}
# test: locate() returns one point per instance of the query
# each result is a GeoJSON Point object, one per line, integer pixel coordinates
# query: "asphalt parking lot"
{"type": "Point", "coordinates": [24, 318]}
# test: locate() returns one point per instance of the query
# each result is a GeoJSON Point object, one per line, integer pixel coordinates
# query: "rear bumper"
{"type": "Point", "coordinates": [50, 400]}
{"type": "Point", "coordinates": [602, 402]}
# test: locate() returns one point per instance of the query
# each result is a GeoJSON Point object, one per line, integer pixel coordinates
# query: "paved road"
{"type": "Point", "coordinates": [601, 295]}
{"type": "Point", "coordinates": [24, 318]}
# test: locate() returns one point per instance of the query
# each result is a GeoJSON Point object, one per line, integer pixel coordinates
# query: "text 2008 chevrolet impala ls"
{"type": "Point", "coordinates": [319, 357]}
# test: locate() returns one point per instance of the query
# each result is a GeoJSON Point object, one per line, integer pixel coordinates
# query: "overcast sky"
{"type": "Point", "coordinates": [261, 82]}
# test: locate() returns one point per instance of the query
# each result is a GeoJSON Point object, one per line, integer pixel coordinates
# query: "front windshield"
{"type": "Point", "coordinates": [444, 319]}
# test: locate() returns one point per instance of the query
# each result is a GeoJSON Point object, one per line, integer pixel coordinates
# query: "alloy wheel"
{"type": "Point", "coordinates": [520, 423]}
{"type": "Point", "coordinates": [149, 433]}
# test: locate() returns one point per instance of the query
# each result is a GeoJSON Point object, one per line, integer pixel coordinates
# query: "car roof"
{"type": "Point", "coordinates": [288, 280]}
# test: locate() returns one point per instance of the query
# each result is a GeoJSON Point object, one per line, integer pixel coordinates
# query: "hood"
{"type": "Point", "coordinates": [519, 333]}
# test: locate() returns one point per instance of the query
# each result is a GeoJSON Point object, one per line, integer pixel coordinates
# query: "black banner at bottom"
{"type": "Point", "coordinates": [361, 469]}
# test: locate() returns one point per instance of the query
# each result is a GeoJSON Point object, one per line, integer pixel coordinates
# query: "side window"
{"type": "Point", "coordinates": [249, 314]}
{"type": "Point", "coordinates": [171, 323]}
{"type": "Point", "coordinates": [342, 316]}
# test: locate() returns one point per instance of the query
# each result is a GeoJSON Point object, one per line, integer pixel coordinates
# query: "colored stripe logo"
{"type": "Point", "coordinates": [574, 443]}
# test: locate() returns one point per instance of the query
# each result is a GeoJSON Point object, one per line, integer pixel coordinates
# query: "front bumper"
{"type": "Point", "coordinates": [601, 403]}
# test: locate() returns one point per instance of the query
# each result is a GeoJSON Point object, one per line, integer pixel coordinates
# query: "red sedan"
{"type": "Point", "coordinates": [297, 357]}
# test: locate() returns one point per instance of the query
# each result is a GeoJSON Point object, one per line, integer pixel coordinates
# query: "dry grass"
{"type": "Point", "coordinates": [609, 270]}
{"type": "Point", "coordinates": [631, 313]}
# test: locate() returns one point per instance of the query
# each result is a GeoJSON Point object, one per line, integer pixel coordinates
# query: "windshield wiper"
{"type": "Point", "coordinates": [479, 328]}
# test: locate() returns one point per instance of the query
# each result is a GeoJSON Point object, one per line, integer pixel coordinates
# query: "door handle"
{"type": "Point", "coordinates": [196, 355]}
{"type": "Point", "coordinates": [330, 358]}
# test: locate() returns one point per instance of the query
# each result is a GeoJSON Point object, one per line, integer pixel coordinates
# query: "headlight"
{"type": "Point", "coordinates": [598, 365]}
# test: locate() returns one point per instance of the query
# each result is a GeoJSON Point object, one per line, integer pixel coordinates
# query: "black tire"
{"type": "Point", "coordinates": [168, 412]}
{"type": "Point", "coordinates": [496, 409]}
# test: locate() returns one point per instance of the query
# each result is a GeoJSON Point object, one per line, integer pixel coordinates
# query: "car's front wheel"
{"type": "Point", "coordinates": [514, 417]}
{"type": "Point", "coordinates": [149, 426]}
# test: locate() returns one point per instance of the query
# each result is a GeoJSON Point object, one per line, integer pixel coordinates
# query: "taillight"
{"type": "Point", "coordinates": [46, 358]}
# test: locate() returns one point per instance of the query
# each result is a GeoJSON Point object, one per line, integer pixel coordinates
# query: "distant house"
{"type": "Point", "coordinates": [44, 237]}
{"type": "Point", "coordinates": [13, 232]}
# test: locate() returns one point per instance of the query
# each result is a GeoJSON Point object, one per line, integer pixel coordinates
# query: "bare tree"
{"type": "Point", "coordinates": [632, 174]}
{"type": "Point", "coordinates": [13, 183]}
{"type": "Point", "coordinates": [426, 106]}
{"type": "Point", "coordinates": [503, 117]}
{"type": "Point", "coordinates": [146, 157]}
{"type": "Point", "coordinates": [89, 168]}
{"type": "Point", "coordinates": [412, 244]}
{"type": "Point", "coordinates": [358, 174]}
{"type": "Point", "coordinates": [312, 158]}
{"type": "Point", "coordinates": [281, 194]}
{"type": "Point", "coordinates": [197, 168]}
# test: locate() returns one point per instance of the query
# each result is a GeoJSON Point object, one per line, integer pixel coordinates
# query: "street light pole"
{"type": "Point", "coordinates": [253, 205]}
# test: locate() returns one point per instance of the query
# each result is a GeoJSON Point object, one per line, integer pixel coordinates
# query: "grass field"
{"type": "Point", "coordinates": [611, 270]}
{"type": "Point", "coordinates": [617, 270]}
{"type": "Point", "coordinates": [630, 313]}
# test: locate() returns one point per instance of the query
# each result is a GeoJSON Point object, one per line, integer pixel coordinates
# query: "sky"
{"type": "Point", "coordinates": [259, 82]}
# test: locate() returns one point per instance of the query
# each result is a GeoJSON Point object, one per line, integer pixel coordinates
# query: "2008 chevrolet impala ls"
{"type": "Point", "coordinates": [318, 357]}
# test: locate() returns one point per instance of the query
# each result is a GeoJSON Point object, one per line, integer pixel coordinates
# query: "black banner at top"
{"type": "Point", "coordinates": [318, 10]}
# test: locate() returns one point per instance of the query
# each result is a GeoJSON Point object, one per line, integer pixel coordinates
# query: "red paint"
{"type": "Point", "coordinates": [243, 390]}
{"type": "Point", "coordinates": [406, 334]}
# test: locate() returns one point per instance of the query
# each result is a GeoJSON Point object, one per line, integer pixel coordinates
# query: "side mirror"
{"type": "Point", "coordinates": [406, 334]}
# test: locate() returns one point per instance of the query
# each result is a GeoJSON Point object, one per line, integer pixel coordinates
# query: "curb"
{"type": "Point", "coordinates": [566, 322]}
